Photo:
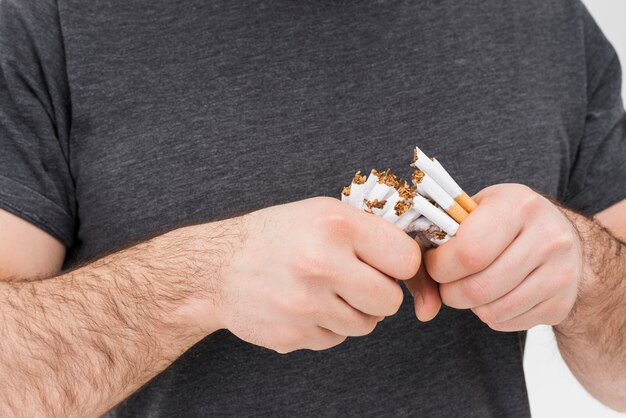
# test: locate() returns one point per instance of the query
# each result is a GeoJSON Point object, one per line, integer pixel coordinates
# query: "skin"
{"type": "Point", "coordinates": [518, 260]}
{"type": "Point", "coordinates": [77, 343]}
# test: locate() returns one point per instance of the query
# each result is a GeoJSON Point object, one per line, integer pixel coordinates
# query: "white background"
{"type": "Point", "coordinates": [553, 390]}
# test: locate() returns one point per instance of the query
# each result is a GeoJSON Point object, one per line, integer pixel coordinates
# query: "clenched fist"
{"type": "Point", "coordinates": [311, 273]}
{"type": "Point", "coordinates": [516, 261]}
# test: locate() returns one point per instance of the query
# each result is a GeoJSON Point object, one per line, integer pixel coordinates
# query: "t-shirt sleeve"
{"type": "Point", "coordinates": [598, 175]}
{"type": "Point", "coordinates": [35, 178]}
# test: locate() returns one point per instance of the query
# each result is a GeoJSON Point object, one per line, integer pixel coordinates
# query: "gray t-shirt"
{"type": "Point", "coordinates": [123, 119]}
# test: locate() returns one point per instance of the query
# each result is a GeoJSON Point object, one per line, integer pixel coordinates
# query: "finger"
{"type": "Point", "coordinates": [542, 284]}
{"type": "Point", "coordinates": [368, 290]}
{"type": "Point", "coordinates": [385, 247]}
{"type": "Point", "coordinates": [481, 238]}
{"type": "Point", "coordinates": [425, 293]}
{"type": "Point", "coordinates": [342, 319]}
{"type": "Point", "coordinates": [547, 312]}
{"type": "Point", "coordinates": [502, 276]}
{"type": "Point", "coordinates": [324, 339]}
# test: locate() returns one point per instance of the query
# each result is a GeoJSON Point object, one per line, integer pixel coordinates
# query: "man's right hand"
{"type": "Point", "coordinates": [311, 273]}
{"type": "Point", "coordinates": [301, 275]}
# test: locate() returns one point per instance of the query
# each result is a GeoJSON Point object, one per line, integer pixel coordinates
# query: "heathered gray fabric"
{"type": "Point", "coordinates": [123, 119]}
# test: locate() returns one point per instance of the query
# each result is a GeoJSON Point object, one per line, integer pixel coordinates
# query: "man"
{"type": "Point", "coordinates": [151, 262]}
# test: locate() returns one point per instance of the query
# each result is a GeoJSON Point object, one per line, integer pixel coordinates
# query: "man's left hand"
{"type": "Point", "coordinates": [516, 261]}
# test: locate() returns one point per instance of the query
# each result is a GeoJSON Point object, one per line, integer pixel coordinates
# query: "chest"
{"type": "Point", "coordinates": [203, 110]}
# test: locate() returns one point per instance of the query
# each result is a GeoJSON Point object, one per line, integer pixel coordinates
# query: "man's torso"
{"type": "Point", "coordinates": [185, 112]}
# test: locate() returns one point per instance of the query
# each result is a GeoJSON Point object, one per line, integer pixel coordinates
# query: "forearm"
{"type": "Point", "coordinates": [592, 339]}
{"type": "Point", "coordinates": [79, 343]}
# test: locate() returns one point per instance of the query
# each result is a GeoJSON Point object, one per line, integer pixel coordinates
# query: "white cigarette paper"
{"type": "Point", "coordinates": [356, 195]}
{"type": "Point", "coordinates": [345, 194]}
{"type": "Point", "coordinates": [434, 169]}
{"type": "Point", "coordinates": [384, 187]}
{"type": "Point", "coordinates": [437, 238]}
{"type": "Point", "coordinates": [372, 181]}
{"type": "Point", "coordinates": [434, 218]}
{"type": "Point", "coordinates": [391, 202]}
{"type": "Point", "coordinates": [435, 215]}
{"type": "Point", "coordinates": [357, 191]}
{"type": "Point", "coordinates": [437, 172]}
{"type": "Point", "coordinates": [420, 224]}
{"type": "Point", "coordinates": [426, 185]}
{"type": "Point", "coordinates": [400, 213]}
{"type": "Point", "coordinates": [374, 206]}
{"type": "Point", "coordinates": [405, 220]}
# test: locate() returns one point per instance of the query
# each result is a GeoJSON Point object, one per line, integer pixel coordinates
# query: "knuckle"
{"type": "Point", "coordinates": [324, 204]}
{"type": "Point", "coordinates": [529, 200]}
{"type": "Point", "coordinates": [361, 325]}
{"type": "Point", "coordinates": [327, 343]}
{"type": "Point", "coordinates": [298, 306]}
{"type": "Point", "coordinates": [556, 239]}
{"type": "Point", "coordinates": [368, 325]}
{"type": "Point", "coordinates": [333, 224]}
{"type": "Point", "coordinates": [476, 291]}
{"type": "Point", "coordinates": [501, 326]}
{"type": "Point", "coordinates": [340, 340]}
{"type": "Point", "coordinates": [486, 313]}
{"type": "Point", "coordinates": [337, 340]}
{"type": "Point", "coordinates": [311, 262]}
{"type": "Point", "coordinates": [473, 258]}
{"type": "Point", "coordinates": [564, 241]}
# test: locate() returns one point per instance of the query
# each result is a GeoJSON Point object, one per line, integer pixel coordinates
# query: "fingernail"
{"type": "Point", "coordinates": [419, 302]}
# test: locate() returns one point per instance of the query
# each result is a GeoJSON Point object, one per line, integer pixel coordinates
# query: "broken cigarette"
{"type": "Point", "coordinates": [398, 215]}
{"type": "Point", "coordinates": [385, 185]}
{"type": "Point", "coordinates": [420, 224]}
{"type": "Point", "coordinates": [403, 192]}
{"type": "Point", "coordinates": [374, 206]}
{"type": "Point", "coordinates": [435, 170]}
{"type": "Point", "coordinates": [371, 181]}
{"type": "Point", "coordinates": [357, 191]}
{"type": "Point", "coordinates": [437, 237]}
{"type": "Point", "coordinates": [345, 194]}
{"type": "Point", "coordinates": [432, 207]}
{"type": "Point", "coordinates": [426, 185]}
{"type": "Point", "coordinates": [435, 215]}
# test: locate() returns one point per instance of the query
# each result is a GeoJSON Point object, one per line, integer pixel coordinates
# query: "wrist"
{"type": "Point", "coordinates": [590, 292]}
{"type": "Point", "coordinates": [195, 260]}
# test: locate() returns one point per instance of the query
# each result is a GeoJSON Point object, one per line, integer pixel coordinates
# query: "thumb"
{"type": "Point", "coordinates": [425, 293]}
